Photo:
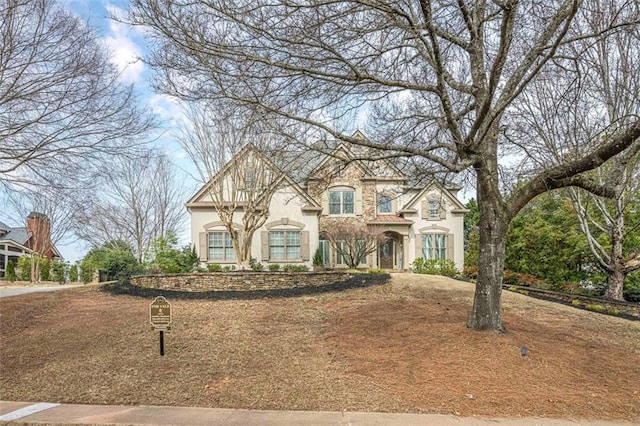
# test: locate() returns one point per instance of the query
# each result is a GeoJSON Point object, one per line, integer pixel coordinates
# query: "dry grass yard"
{"type": "Point", "coordinates": [402, 346]}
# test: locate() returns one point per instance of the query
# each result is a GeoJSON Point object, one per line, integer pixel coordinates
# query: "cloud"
{"type": "Point", "coordinates": [124, 52]}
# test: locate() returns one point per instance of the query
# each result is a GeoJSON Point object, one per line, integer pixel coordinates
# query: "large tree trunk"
{"type": "Point", "coordinates": [244, 249]}
{"type": "Point", "coordinates": [615, 282]}
{"type": "Point", "coordinates": [616, 270]}
{"type": "Point", "coordinates": [493, 225]}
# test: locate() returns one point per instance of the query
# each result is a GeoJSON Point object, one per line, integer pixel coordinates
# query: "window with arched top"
{"type": "Point", "coordinates": [341, 200]}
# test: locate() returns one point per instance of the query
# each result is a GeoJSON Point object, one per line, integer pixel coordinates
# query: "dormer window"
{"type": "Point", "coordinates": [384, 204]}
{"type": "Point", "coordinates": [249, 179]}
{"type": "Point", "coordinates": [434, 209]}
{"type": "Point", "coordinates": [341, 201]}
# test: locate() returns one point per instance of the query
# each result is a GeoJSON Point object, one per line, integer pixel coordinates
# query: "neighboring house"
{"type": "Point", "coordinates": [422, 221]}
{"type": "Point", "coordinates": [20, 241]}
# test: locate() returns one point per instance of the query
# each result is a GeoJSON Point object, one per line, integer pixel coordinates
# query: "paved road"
{"type": "Point", "coordinates": [18, 290]}
{"type": "Point", "coordinates": [161, 415]}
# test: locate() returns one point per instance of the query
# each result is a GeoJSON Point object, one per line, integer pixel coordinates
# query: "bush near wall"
{"type": "Point", "coordinates": [445, 267]}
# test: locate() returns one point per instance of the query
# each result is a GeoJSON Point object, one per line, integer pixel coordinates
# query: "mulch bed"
{"type": "Point", "coordinates": [397, 347]}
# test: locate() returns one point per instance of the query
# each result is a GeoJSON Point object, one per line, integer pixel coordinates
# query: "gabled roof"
{"type": "Point", "coordinates": [359, 155]}
{"type": "Point", "coordinates": [237, 159]}
{"type": "Point", "coordinates": [341, 153]}
{"type": "Point", "coordinates": [454, 200]}
{"type": "Point", "coordinates": [17, 235]}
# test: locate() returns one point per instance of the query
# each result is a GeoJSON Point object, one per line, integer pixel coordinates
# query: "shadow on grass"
{"type": "Point", "coordinates": [358, 281]}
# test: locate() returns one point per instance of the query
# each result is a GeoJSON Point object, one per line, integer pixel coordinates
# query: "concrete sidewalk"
{"type": "Point", "coordinates": [157, 415]}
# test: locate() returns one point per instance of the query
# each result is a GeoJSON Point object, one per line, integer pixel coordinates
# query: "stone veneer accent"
{"type": "Point", "coordinates": [239, 281]}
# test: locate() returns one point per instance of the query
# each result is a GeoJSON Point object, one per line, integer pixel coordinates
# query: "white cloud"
{"type": "Point", "coordinates": [168, 109]}
{"type": "Point", "coordinates": [124, 52]}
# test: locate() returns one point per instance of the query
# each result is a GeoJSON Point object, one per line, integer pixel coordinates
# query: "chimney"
{"type": "Point", "coordinates": [40, 227]}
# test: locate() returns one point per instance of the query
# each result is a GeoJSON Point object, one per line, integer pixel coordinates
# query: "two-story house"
{"type": "Point", "coordinates": [424, 221]}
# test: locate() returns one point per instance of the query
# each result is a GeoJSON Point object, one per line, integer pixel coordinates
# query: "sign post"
{"type": "Point", "coordinates": [160, 318]}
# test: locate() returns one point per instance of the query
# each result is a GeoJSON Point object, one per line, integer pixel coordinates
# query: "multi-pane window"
{"type": "Point", "coordinates": [284, 245]}
{"type": "Point", "coordinates": [434, 209]}
{"type": "Point", "coordinates": [249, 179]}
{"type": "Point", "coordinates": [323, 245]}
{"type": "Point", "coordinates": [221, 247]}
{"type": "Point", "coordinates": [384, 204]}
{"type": "Point", "coordinates": [434, 246]}
{"type": "Point", "coordinates": [341, 202]}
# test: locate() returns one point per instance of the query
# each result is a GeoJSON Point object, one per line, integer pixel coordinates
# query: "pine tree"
{"type": "Point", "coordinates": [10, 273]}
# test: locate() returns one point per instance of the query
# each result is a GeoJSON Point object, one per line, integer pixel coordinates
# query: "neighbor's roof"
{"type": "Point", "coordinates": [17, 235]}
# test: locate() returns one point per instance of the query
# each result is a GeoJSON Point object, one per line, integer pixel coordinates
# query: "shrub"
{"type": "Point", "coordinates": [317, 257]}
{"type": "Point", "coordinates": [257, 266]}
{"type": "Point", "coordinates": [73, 273]}
{"type": "Point", "coordinates": [569, 287]}
{"type": "Point", "coordinates": [509, 277]}
{"type": "Point", "coordinates": [115, 261]}
{"type": "Point", "coordinates": [444, 267]}
{"type": "Point", "coordinates": [214, 267]}
{"type": "Point", "coordinates": [295, 268]}
{"type": "Point", "coordinates": [24, 268]}
{"type": "Point", "coordinates": [595, 308]}
{"type": "Point", "coordinates": [10, 273]}
{"type": "Point", "coordinates": [576, 302]}
{"type": "Point", "coordinates": [228, 268]}
{"type": "Point", "coordinates": [274, 267]}
{"type": "Point", "coordinates": [376, 271]}
{"type": "Point", "coordinates": [45, 269]}
{"type": "Point", "coordinates": [59, 271]}
{"type": "Point", "coordinates": [470, 272]}
{"type": "Point", "coordinates": [518, 290]}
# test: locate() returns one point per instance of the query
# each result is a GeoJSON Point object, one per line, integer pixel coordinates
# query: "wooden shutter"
{"type": "Point", "coordinates": [424, 209]}
{"type": "Point", "coordinates": [264, 245]}
{"type": "Point", "coordinates": [450, 254]}
{"type": "Point", "coordinates": [358, 201]}
{"type": "Point", "coordinates": [443, 211]}
{"type": "Point", "coordinates": [304, 245]}
{"type": "Point", "coordinates": [203, 246]}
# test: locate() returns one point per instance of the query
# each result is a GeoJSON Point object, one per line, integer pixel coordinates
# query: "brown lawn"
{"type": "Point", "coordinates": [400, 347]}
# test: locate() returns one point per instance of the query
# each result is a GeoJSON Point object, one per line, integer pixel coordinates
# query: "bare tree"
{"type": "Point", "coordinates": [140, 202]}
{"type": "Point", "coordinates": [63, 111]}
{"type": "Point", "coordinates": [353, 241]}
{"type": "Point", "coordinates": [440, 80]}
{"type": "Point", "coordinates": [608, 217]}
{"type": "Point", "coordinates": [230, 148]}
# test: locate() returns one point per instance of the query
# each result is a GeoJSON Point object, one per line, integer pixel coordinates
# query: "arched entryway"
{"type": "Point", "coordinates": [390, 254]}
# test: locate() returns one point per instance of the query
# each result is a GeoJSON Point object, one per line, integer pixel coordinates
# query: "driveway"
{"type": "Point", "coordinates": [18, 290]}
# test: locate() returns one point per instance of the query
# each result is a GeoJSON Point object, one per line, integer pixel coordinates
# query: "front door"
{"type": "Point", "coordinates": [385, 255]}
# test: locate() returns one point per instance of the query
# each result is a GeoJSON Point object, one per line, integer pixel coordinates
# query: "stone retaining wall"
{"type": "Point", "coordinates": [239, 281]}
